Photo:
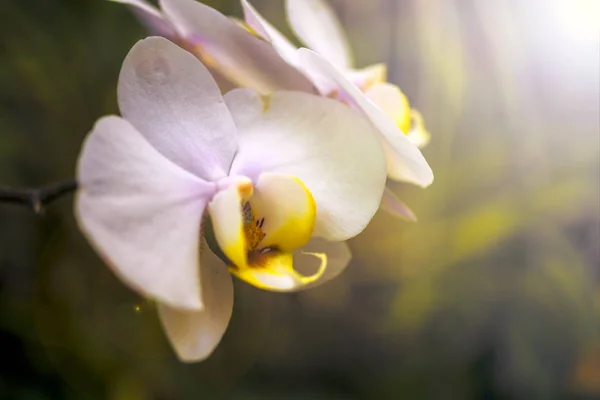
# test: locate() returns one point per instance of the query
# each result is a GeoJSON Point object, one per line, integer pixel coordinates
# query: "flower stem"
{"type": "Point", "coordinates": [37, 198]}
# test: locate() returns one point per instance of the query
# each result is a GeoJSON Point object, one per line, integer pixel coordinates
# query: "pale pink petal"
{"type": "Point", "coordinates": [268, 32]}
{"type": "Point", "coordinates": [227, 47]}
{"type": "Point", "coordinates": [172, 99]}
{"type": "Point", "coordinates": [316, 24]}
{"type": "Point", "coordinates": [195, 334]}
{"type": "Point", "coordinates": [396, 207]}
{"type": "Point", "coordinates": [142, 213]}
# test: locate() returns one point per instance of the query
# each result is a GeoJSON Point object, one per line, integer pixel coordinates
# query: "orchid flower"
{"type": "Point", "coordinates": [316, 25]}
{"type": "Point", "coordinates": [233, 52]}
{"type": "Point", "coordinates": [278, 182]}
{"type": "Point", "coordinates": [328, 63]}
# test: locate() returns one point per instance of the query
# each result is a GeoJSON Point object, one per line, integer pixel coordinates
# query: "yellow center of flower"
{"type": "Point", "coordinates": [252, 227]}
{"type": "Point", "coordinates": [274, 218]}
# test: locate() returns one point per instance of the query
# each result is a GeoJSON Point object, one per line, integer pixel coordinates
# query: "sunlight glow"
{"type": "Point", "coordinates": [580, 19]}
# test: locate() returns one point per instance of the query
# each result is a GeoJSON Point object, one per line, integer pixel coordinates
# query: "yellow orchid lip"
{"type": "Point", "coordinates": [272, 269]}
{"type": "Point", "coordinates": [394, 103]}
{"type": "Point", "coordinates": [264, 224]}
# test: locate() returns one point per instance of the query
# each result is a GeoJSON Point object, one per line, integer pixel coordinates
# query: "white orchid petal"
{"type": "Point", "coordinates": [195, 334]}
{"type": "Point", "coordinates": [141, 212]}
{"type": "Point", "coordinates": [316, 24]}
{"type": "Point", "coordinates": [257, 22]}
{"type": "Point", "coordinates": [262, 27]}
{"type": "Point", "coordinates": [404, 160]}
{"type": "Point", "coordinates": [151, 17]}
{"type": "Point", "coordinates": [338, 256]}
{"type": "Point", "coordinates": [331, 149]}
{"type": "Point", "coordinates": [396, 207]}
{"type": "Point", "coordinates": [172, 99]}
{"type": "Point", "coordinates": [237, 54]}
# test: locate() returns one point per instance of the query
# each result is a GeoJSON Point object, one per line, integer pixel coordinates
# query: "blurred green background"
{"type": "Point", "coordinates": [493, 294]}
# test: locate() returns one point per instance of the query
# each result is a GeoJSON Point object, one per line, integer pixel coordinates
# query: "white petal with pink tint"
{"type": "Point", "coordinates": [142, 213]}
{"type": "Point", "coordinates": [396, 207]}
{"type": "Point", "coordinates": [268, 32]}
{"type": "Point", "coordinates": [316, 24]}
{"type": "Point", "coordinates": [237, 54]}
{"type": "Point", "coordinates": [195, 334]}
{"type": "Point", "coordinates": [172, 99]}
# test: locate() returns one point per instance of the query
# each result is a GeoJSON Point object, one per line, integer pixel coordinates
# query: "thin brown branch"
{"type": "Point", "coordinates": [37, 198]}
